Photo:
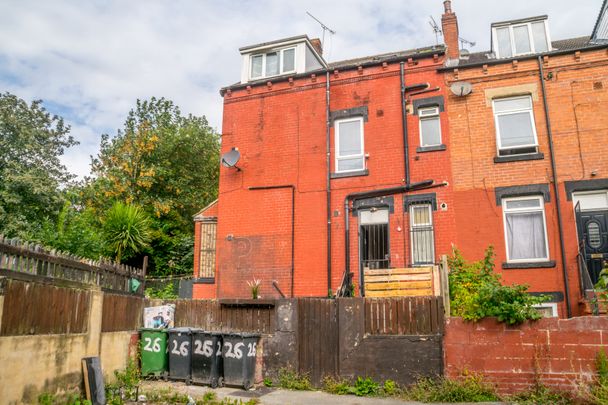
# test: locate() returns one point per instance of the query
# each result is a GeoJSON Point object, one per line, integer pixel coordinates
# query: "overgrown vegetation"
{"type": "Point", "coordinates": [476, 292]}
{"type": "Point", "coordinates": [68, 399]}
{"type": "Point", "coordinates": [292, 380]}
{"type": "Point", "coordinates": [471, 388]}
{"type": "Point", "coordinates": [540, 394]}
{"type": "Point", "coordinates": [165, 293]}
{"type": "Point", "coordinates": [170, 396]}
{"type": "Point", "coordinates": [126, 385]}
{"type": "Point", "coordinates": [598, 392]}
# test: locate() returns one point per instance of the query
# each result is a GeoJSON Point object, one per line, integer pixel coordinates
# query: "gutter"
{"type": "Point", "coordinates": [560, 225]}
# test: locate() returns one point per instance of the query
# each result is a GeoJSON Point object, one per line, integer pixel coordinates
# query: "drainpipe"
{"type": "Point", "coordinates": [560, 225]}
{"type": "Point", "coordinates": [406, 157]}
{"type": "Point", "coordinates": [328, 182]}
{"type": "Point", "coordinates": [293, 211]}
{"type": "Point", "coordinates": [423, 185]}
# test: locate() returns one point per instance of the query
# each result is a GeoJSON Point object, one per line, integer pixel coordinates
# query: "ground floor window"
{"type": "Point", "coordinates": [525, 229]}
{"type": "Point", "coordinates": [421, 231]}
{"type": "Point", "coordinates": [374, 239]}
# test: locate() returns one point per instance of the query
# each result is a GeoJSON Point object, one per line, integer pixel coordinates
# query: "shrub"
{"type": "Point", "coordinates": [390, 388]}
{"type": "Point", "coordinates": [366, 387]}
{"type": "Point", "coordinates": [125, 386]}
{"type": "Point", "coordinates": [127, 230]}
{"type": "Point", "coordinates": [337, 386]}
{"type": "Point", "coordinates": [291, 380]}
{"type": "Point", "coordinates": [471, 388]}
{"type": "Point", "coordinates": [476, 292]}
{"type": "Point", "coordinates": [539, 394]}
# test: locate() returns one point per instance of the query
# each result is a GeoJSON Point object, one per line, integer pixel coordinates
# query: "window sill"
{"type": "Point", "coordinates": [529, 265]}
{"type": "Point", "coordinates": [519, 158]}
{"type": "Point", "coordinates": [434, 148]}
{"type": "Point", "coordinates": [204, 280]}
{"type": "Point", "coordinates": [349, 174]}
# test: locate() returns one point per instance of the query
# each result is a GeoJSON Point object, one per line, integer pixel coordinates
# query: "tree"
{"type": "Point", "coordinates": [126, 230]}
{"type": "Point", "coordinates": [31, 174]}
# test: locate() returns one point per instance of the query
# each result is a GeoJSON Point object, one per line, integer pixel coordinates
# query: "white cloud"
{"type": "Point", "coordinates": [92, 60]}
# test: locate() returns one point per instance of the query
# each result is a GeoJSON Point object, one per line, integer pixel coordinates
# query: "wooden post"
{"type": "Point", "coordinates": [445, 284]}
{"type": "Point", "coordinates": [144, 270]}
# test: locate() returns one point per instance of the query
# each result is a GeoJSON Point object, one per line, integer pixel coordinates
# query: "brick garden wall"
{"type": "Point", "coordinates": [559, 352]}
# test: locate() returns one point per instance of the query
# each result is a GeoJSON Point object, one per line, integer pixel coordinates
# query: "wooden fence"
{"type": "Point", "coordinates": [122, 312]}
{"type": "Point", "coordinates": [405, 282]}
{"type": "Point", "coordinates": [35, 309]}
{"type": "Point", "coordinates": [215, 316]}
{"type": "Point", "coordinates": [33, 260]}
{"type": "Point", "coordinates": [404, 316]}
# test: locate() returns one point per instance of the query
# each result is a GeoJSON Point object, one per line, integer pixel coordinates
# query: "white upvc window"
{"type": "Point", "coordinates": [515, 127]}
{"type": "Point", "coordinates": [350, 156]}
{"type": "Point", "coordinates": [525, 229]}
{"type": "Point", "coordinates": [422, 235]}
{"type": "Point", "coordinates": [276, 62]}
{"type": "Point", "coordinates": [430, 126]}
{"type": "Point", "coordinates": [521, 39]}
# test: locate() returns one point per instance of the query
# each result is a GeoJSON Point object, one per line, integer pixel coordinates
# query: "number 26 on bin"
{"type": "Point", "coordinates": [236, 352]}
{"type": "Point", "coordinates": [152, 346]}
{"type": "Point", "coordinates": [183, 348]}
{"type": "Point", "coordinates": [206, 348]}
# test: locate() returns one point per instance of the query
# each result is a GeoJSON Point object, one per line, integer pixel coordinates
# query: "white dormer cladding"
{"type": "Point", "coordinates": [521, 37]}
{"type": "Point", "coordinates": [278, 58]}
{"type": "Point", "coordinates": [600, 31]}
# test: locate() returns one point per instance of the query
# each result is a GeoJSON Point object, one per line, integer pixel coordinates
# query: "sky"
{"type": "Point", "coordinates": [89, 61]}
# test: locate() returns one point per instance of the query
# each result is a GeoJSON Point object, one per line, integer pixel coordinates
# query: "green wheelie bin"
{"type": "Point", "coordinates": [153, 348]}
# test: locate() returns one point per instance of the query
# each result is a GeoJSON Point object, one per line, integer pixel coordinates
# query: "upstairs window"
{"type": "Point", "coordinates": [521, 39]}
{"type": "Point", "coordinates": [525, 229]}
{"type": "Point", "coordinates": [515, 128]}
{"type": "Point", "coordinates": [273, 63]}
{"type": "Point", "coordinates": [430, 127]}
{"type": "Point", "coordinates": [349, 145]}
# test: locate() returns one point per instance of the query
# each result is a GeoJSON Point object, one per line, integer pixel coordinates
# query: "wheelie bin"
{"type": "Point", "coordinates": [180, 354]}
{"type": "Point", "coordinates": [153, 348]}
{"type": "Point", "coordinates": [207, 364]}
{"type": "Point", "coordinates": [239, 351]}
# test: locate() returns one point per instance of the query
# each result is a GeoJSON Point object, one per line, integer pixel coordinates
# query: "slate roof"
{"type": "Point", "coordinates": [385, 57]}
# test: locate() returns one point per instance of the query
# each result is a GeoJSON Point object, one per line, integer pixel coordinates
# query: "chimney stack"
{"type": "Point", "coordinates": [316, 43]}
{"type": "Point", "coordinates": [449, 26]}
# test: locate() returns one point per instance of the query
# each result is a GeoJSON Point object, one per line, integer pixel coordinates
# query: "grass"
{"type": "Point", "coordinates": [539, 394]}
{"type": "Point", "coordinates": [171, 397]}
{"type": "Point", "coordinates": [471, 388]}
{"type": "Point", "coordinates": [292, 380]}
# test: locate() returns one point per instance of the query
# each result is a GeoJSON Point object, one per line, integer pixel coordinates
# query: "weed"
{"type": "Point", "coordinates": [471, 388]}
{"type": "Point", "coordinates": [390, 388]}
{"type": "Point", "coordinates": [291, 380]}
{"type": "Point", "coordinates": [540, 394]}
{"type": "Point", "coordinates": [337, 386]}
{"type": "Point", "coordinates": [366, 387]}
{"type": "Point", "coordinates": [69, 399]}
{"type": "Point", "coordinates": [598, 392]}
{"type": "Point", "coordinates": [126, 385]}
{"type": "Point", "coordinates": [46, 399]}
{"type": "Point", "coordinates": [267, 382]}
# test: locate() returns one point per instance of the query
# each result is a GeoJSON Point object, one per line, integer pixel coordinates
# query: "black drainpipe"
{"type": "Point", "coordinates": [328, 182]}
{"type": "Point", "coordinates": [293, 211]}
{"type": "Point", "coordinates": [406, 157]}
{"type": "Point", "coordinates": [560, 225]}
{"type": "Point", "coordinates": [423, 185]}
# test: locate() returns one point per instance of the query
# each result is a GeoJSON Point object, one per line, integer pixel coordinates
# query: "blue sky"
{"type": "Point", "coordinates": [90, 61]}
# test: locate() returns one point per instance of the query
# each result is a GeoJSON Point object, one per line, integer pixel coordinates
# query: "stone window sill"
{"type": "Point", "coordinates": [204, 280]}
{"type": "Point", "coordinates": [434, 148]}
{"type": "Point", "coordinates": [519, 158]}
{"type": "Point", "coordinates": [349, 174]}
{"type": "Point", "coordinates": [529, 265]}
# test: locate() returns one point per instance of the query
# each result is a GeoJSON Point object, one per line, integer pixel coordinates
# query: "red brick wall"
{"type": "Point", "coordinates": [560, 352]}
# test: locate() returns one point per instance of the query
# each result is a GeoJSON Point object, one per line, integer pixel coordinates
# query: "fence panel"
{"type": "Point", "coordinates": [121, 313]}
{"type": "Point", "coordinates": [36, 308]}
{"type": "Point", "coordinates": [214, 316]}
{"type": "Point", "coordinates": [404, 316]}
{"type": "Point", "coordinates": [318, 335]}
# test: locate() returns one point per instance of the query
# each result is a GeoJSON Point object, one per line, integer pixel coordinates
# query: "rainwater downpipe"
{"type": "Point", "coordinates": [560, 225]}
{"type": "Point", "coordinates": [328, 182]}
{"type": "Point", "coordinates": [406, 157]}
{"type": "Point", "coordinates": [293, 212]}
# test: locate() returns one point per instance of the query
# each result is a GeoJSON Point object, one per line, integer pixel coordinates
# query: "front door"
{"type": "Point", "coordinates": [592, 229]}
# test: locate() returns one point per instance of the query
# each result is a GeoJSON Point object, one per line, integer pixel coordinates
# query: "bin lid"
{"type": "Point", "coordinates": [206, 332]}
{"type": "Point", "coordinates": [242, 335]}
{"type": "Point", "coordinates": [180, 330]}
{"type": "Point", "coordinates": [158, 330]}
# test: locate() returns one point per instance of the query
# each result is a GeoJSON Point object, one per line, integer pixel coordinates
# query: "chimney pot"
{"type": "Point", "coordinates": [447, 5]}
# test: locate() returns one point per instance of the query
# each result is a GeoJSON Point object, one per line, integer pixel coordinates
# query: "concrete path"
{"type": "Point", "coordinates": [273, 396]}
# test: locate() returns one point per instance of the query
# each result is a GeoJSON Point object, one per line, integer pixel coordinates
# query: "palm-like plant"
{"type": "Point", "coordinates": [127, 230]}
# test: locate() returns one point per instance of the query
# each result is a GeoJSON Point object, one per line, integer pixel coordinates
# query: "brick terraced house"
{"type": "Point", "coordinates": [386, 161]}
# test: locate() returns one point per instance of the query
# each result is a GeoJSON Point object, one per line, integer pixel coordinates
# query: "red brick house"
{"type": "Point", "coordinates": [528, 157]}
{"type": "Point", "coordinates": [386, 161]}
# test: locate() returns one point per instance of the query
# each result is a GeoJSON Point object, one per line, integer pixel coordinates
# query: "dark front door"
{"type": "Point", "coordinates": [593, 238]}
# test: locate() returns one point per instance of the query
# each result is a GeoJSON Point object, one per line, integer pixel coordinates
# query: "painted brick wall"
{"type": "Point", "coordinates": [577, 90]}
{"type": "Point", "coordinates": [560, 352]}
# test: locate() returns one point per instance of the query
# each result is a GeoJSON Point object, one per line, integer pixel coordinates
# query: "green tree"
{"type": "Point", "coordinates": [31, 174]}
{"type": "Point", "coordinates": [126, 230]}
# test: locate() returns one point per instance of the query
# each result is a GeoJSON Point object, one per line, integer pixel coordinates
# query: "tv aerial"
{"type": "Point", "coordinates": [436, 29]}
{"type": "Point", "coordinates": [464, 42]}
{"type": "Point", "coordinates": [231, 158]}
{"type": "Point", "coordinates": [325, 28]}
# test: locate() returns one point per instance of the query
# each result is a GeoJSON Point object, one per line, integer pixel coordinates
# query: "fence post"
{"type": "Point", "coordinates": [445, 284]}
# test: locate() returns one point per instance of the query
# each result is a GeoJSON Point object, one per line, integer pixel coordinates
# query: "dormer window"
{"type": "Point", "coordinates": [273, 63]}
{"type": "Point", "coordinates": [521, 37]}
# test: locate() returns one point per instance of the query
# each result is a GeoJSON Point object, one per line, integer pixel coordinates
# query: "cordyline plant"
{"type": "Point", "coordinates": [127, 230]}
{"type": "Point", "coordinates": [255, 287]}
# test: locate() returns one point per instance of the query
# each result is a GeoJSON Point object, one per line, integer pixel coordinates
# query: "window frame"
{"type": "Point", "coordinates": [433, 116]}
{"type": "Point", "coordinates": [280, 53]}
{"type": "Point", "coordinates": [530, 111]}
{"type": "Point", "coordinates": [511, 27]}
{"type": "Point", "coordinates": [338, 156]}
{"type": "Point", "coordinates": [430, 225]}
{"type": "Point", "coordinates": [541, 209]}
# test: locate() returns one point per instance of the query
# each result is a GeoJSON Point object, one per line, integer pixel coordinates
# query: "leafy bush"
{"type": "Point", "coordinates": [476, 292]}
{"type": "Point", "coordinates": [471, 388]}
{"type": "Point", "coordinates": [126, 385]}
{"type": "Point", "coordinates": [390, 388]}
{"type": "Point", "coordinates": [337, 386]}
{"type": "Point", "coordinates": [166, 293]}
{"type": "Point", "coordinates": [366, 387]}
{"type": "Point", "coordinates": [267, 382]}
{"type": "Point", "coordinates": [291, 380]}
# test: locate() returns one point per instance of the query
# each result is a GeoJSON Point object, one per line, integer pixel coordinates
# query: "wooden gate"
{"type": "Point", "coordinates": [318, 338]}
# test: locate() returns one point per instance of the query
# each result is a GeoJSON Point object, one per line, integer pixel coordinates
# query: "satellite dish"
{"type": "Point", "coordinates": [231, 158]}
{"type": "Point", "coordinates": [461, 89]}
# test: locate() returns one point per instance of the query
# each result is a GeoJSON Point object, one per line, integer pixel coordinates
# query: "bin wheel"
{"type": "Point", "coordinates": [188, 381]}
{"type": "Point", "coordinates": [165, 377]}
{"type": "Point", "coordinates": [247, 384]}
{"type": "Point", "coordinates": [220, 382]}
{"type": "Point", "coordinates": [214, 383]}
